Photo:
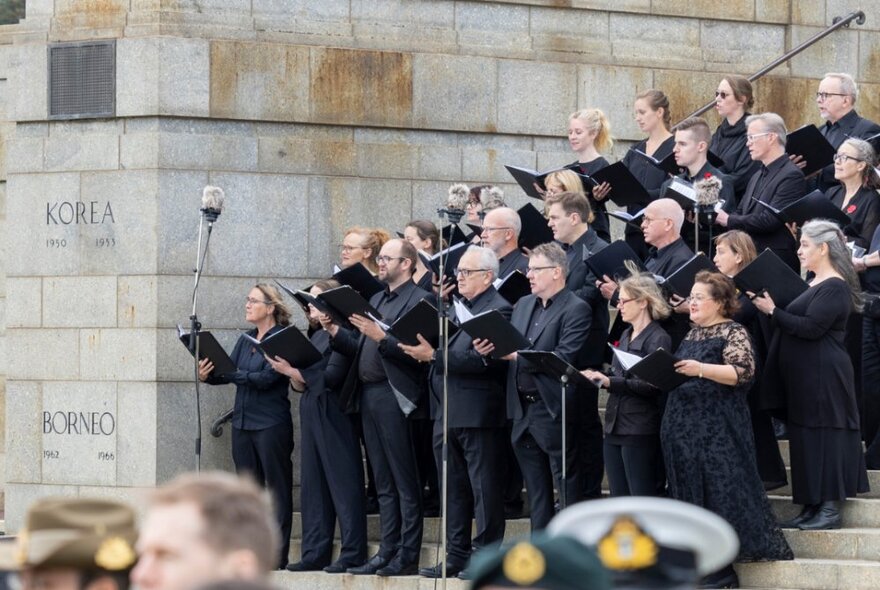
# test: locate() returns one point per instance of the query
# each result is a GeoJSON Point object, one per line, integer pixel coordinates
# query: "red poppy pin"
{"type": "Point", "coordinates": [851, 209]}
{"type": "Point", "coordinates": [707, 175]}
{"type": "Point", "coordinates": [616, 343]}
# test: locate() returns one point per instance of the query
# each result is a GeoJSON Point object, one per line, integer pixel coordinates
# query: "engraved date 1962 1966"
{"type": "Point", "coordinates": [61, 243]}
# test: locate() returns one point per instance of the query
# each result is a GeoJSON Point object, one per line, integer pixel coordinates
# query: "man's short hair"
{"type": "Point", "coordinates": [698, 127]}
{"type": "Point", "coordinates": [409, 252]}
{"type": "Point", "coordinates": [773, 123]}
{"type": "Point", "coordinates": [848, 86]}
{"type": "Point", "coordinates": [572, 203]}
{"type": "Point", "coordinates": [554, 254]}
{"type": "Point", "coordinates": [509, 218]}
{"type": "Point", "coordinates": [486, 258]}
{"type": "Point", "coordinates": [237, 514]}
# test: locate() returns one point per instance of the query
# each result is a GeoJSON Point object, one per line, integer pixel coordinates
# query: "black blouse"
{"type": "Point", "coordinates": [864, 211]}
{"type": "Point", "coordinates": [729, 143]}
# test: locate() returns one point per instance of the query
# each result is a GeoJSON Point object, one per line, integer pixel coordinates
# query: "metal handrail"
{"type": "Point", "coordinates": [838, 22]}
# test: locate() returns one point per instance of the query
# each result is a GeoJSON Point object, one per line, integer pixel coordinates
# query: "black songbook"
{"type": "Point", "coordinates": [527, 178]}
{"type": "Point", "coordinates": [625, 189]}
{"type": "Point", "coordinates": [809, 143]}
{"type": "Point", "coordinates": [633, 219]}
{"type": "Point", "coordinates": [535, 230]}
{"type": "Point", "coordinates": [769, 273]}
{"type": "Point", "coordinates": [452, 235]}
{"type": "Point", "coordinates": [714, 159]}
{"type": "Point", "coordinates": [611, 260]}
{"type": "Point", "coordinates": [681, 281]}
{"type": "Point", "coordinates": [513, 287]}
{"type": "Point", "coordinates": [494, 327]}
{"type": "Point", "coordinates": [815, 205]}
{"type": "Point", "coordinates": [476, 231]}
{"type": "Point", "coordinates": [359, 278]}
{"type": "Point", "coordinates": [209, 349]}
{"type": "Point", "coordinates": [290, 344]}
{"type": "Point", "coordinates": [420, 319]}
{"type": "Point", "coordinates": [451, 256]}
{"type": "Point", "coordinates": [657, 368]}
{"type": "Point", "coordinates": [344, 302]}
{"type": "Point", "coordinates": [682, 192]}
{"type": "Point", "coordinates": [297, 295]}
{"type": "Point", "coordinates": [667, 164]}
{"type": "Point", "coordinates": [552, 364]}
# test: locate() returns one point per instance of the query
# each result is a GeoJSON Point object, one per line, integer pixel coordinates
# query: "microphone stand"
{"type": "Point", "coordinates": [454, 217]}
{"type": "Point", "coordinates": [195, 326]}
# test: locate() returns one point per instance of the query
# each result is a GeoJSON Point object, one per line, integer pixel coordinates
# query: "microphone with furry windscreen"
{"type": "Point", "coordinates": [456, 201]}
{"type": "Point", "coordinates": [212, 203]}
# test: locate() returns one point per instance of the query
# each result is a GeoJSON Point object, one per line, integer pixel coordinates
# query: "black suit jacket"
{"type": "Point", "coordinates": [475, 383]}
{"type": "Point", "coordinates": [783, 184]}
{"type": "Point", "coordinates": [582, 282]}
{"type": "Point", "coordinates": [406, 376]}
{"type": "Point", "coordinates": [850, 125]}
{"type": "Point", "coordinates": [564, 333]}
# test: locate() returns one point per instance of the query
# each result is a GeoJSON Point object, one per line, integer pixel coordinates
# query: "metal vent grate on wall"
{"type": "Point", "coordinates": [82, 80]}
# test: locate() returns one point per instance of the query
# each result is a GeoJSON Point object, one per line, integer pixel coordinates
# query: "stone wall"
{"type": "Point", "coordinates": [313, 116]}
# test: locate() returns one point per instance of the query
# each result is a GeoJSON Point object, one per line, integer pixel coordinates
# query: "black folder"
{"type": "Point", "coordinates": [633, 219]}
{"type": "Point", "coordinates": [296, 295]}
{"type": "Point", "coordinates": [209, 349]}
{"type": "Point", "coordinates": [553, 365]}
{"type": "Point", "coordinates": [528, 178]}
{"type": "Point", "coordinates": [769, 273]}
{"type": "Point", "coordinates": [681, 281]}
{"type": "Point", "coordinates": [498, 330]}
{"type": "Point", "coordinates": [667, 164]}
{"type": "Point", "coordinates": [682, 192]}
{"type": "Point", "coordinates": [290, 344]}
{"type": "Point", "coordinates": [610, 261]}
{"type": "Point", "coordinates": [451, 256]}
{"type": "Point", "coordinates": [625, 189]}
{"type": "Point", "coordinates": [343, 302]}
{"type": "Point", "coordinates": [809, 143]}
{"type": "Point", "coordinates": [476, 232]}
{"type": "Point", "coordinates": [535, 230]}
{"type": "Point", "coordinates": [657, 368]}
{"type": "Point", "coordinates": [359, 278]}
{"type": "Point", "coordinates": [421, 319]}
{"type": "Point", "coordinates": [452, 235]}
{"type": "Point", "coordinates": [814, 205]}
{"type": "Point", "coordinates": [514, 286]}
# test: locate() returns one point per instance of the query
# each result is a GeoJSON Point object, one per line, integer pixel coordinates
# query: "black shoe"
{"type": "Point", "coordinates": [827, 517]}
{"type": "Point", "coordinates": [464, 575]}
{"type": "Point", "coordinates": [372, 505]}
{"type": "Point", "coordinates": [374, 564]}
{"type": "Point", "coordinates": [724, 578]}
{"type": "Point", "coordinates": [452, 571]}
{"type": "Point", "coordinates": [807, 512]}
{"type": "Point", "coordinates": [338, 567]}
{"type": "Point", "coordinates": [301, 566]}
{"type": "Point", "coordinates": [399, 567]}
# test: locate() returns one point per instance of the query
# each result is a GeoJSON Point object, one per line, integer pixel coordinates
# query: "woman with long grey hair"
{"type": "Point", "coordinates": [827, 461]}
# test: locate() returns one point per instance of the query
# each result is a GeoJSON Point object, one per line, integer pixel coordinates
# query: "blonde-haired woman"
{"type": "Point", "coordinates": [589, 134]}
{"type": "Point", "coordinates": [362, 244]}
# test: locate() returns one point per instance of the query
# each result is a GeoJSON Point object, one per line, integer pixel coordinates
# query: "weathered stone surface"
{"type": "Point", "coordinates": [18, 496]}
{"type": "Point", "coordinates": [117, 354]}
{"type": "Point", "coordinates": [337, 10]}
{"type": "Point", "coordinates": [136, 434]}
{"type": "Point", "coordinates": [361, 87]}
{"type": "Point", "coordinates": [773, 11]}
{"type": "Point", "coordinates": [487, 164]}
{"type": "Point", "coordinates": [688, 91]}
{"type": "Point", "coordinates": [79, 421]}
{"type": "Point", "coordinates": [89, 152]}
{"type": "Point", "coordinates": [79, 302]}
{"type": "Point", "coordinates": [613, 90]}
{"type": "Point", "coordinates": [842, 8]}
{"type": "Point", "coordinates": [656, 40]}
{"type": "Point", "coordinates": [178, 216]}
{"type": "Point", "coordinates": [23, 436]}
{"type": "Point", "coordinates": [25, 154]}
{"type": "Point", "coordinates": [454, 92]}
{"type": "Point", "coordinates": [380, 160]}
{"type": "Point", "coordinates": [525, 111]}
{"type": "Point", "coordinates": [838, 52]}
{"type": "Point", "coordinates": [306, 156]}
{"type": "Point", "coordinates": [808, 13]}
{"type": "Point", "coordinates": [24, 299]}
{"type": "Point", "coordinates": [25, 345]}
{"type": "Point", "coordinates": [869, 57]}
{"type": "Point", "coordinates": [137, 301]}
{"type": "Point", "coordinates": [265, 81]}
{"type": "Point", "coordinates": [422, 13]}
{"type": "Point", "coordinates": [139, 151]}
{"type": "Point", "coordinates": [740, 48]}
{"type": "Point", "coordinates": [735, 9]}
{"type": "Point", "coordinates": [438, 162]}
{"type": "Point", "coordinates": [792, 98]}
{"type": "Point", "coordinates": [500, 26]}
{"type": "Point", "coordinates": [562, 30]}
{"type": "Point", "coordinates": [28, 74]}
{"type": "Point", "coordinates": [207, 152]}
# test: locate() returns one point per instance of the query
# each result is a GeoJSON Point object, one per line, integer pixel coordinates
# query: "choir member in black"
{"type": "Point", "coordinates": [653, 117]}
{"type": "Point", "coordinates": [691, 151]}
{"type": "Point", "coordinates": [482, 199]}
{"type": "Point", "coordinates": [262, 429]}
{"type": "Point", "coordinates": [856, 192]}
{"type": "Point", "coordinates": [501, 228]}
{"type": "Point", "coordinates": [332, 472]}
{"type": "Point", "coordinates": [589, 134]}
{"type": "Point", "coordinates": [362, 244]}
{"type": "Point", "coordinates": [836, 99]}
{"type": "Point", "coordinates": [476, 420]}
{"type": "Point", "coordinates": [634, 408]}
{"type": "Point", "coordinates": [734, 250]}
{"type": "Point", "coordinates": [827, 461]}
{"type": "Point", "coordinates": [778, 183]}
{"type": "Point", "coordinates": [553, 319]}
{"type": "Point", "coordinates": [733, 99]}
{"type": "Point", "coordinates": [570, 218]}
{"type": "Point", "coordinates": [389, 387]}
{"type": "Point", "coordinates": [706, 430]}
{"type": "Point", "coordinates": [424, 236]}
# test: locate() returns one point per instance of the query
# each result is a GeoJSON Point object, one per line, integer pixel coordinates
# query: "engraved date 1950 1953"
{"type": "Point", "coordinates": [61, 243]}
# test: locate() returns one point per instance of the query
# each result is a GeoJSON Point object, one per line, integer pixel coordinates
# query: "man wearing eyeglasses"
{"type": "Point", "coordinates": [836, 100]}
{"type": "Point", "coordinates": [501, 229]}
{"type": "Point", "coordinates": [778, 183]}
{"type": "Point", "coordinates": [554, 319]}
{"type": "Point", "coordinates": [476, 419]}
{"type": "Point", "coordinates": [390, 387]}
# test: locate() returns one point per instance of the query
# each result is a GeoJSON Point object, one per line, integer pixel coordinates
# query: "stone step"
{"type": "Point", "coordinates": [322, 581]}
{"type": "Point", "coordinates": [428, 556]}
{"type": "Point", "coordinates": [811, 574]}
{"type": "Point", "coordinates": [857, 512]}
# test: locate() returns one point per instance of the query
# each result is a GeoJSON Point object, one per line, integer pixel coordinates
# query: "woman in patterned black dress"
{"type": "Point", "coordinates": [706, 432]}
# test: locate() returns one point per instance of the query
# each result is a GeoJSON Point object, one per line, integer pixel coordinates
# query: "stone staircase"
{"type": "Point", "coordinates": [844, 559]}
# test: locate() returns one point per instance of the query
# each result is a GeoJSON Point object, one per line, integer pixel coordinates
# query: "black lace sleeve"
{"type": "Point", "coordinates": [739, 352]}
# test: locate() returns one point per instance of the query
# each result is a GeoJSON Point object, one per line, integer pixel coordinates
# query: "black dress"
{"type": "Point", "coordinates": [708, 447]}
{"type": "Point", "coordinates": [827, 462]}
{"type": "Point", "coordinates": [600, 224]}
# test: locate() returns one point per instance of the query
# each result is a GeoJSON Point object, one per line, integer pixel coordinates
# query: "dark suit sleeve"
{"type": "Point", "coordinates": [573, 332]}
{"type": "Point", "coordinates": [633, 385]}
{"type": "Point", "coordinates": [389, 349]}
{"type": "Point", "coordinates": [470, 361]}
{"type": "Point", "coordinates": [762, 221]}
{"type": "Point", "coordinates": [346, 342]}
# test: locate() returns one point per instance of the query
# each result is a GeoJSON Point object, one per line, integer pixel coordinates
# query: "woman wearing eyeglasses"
{"type": "Point", "coordinates": [706, 431]}
{"type": "Point", "coordinates": [262, 430]}
{"type": "Point", "coordinates": [362, 244]}
{"type": "Point", "coordinates": [633, 459]}
{"type": "Point", "coordinates": [733, 99]}
{"type": "Point", "coordinates": [857, 193]}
